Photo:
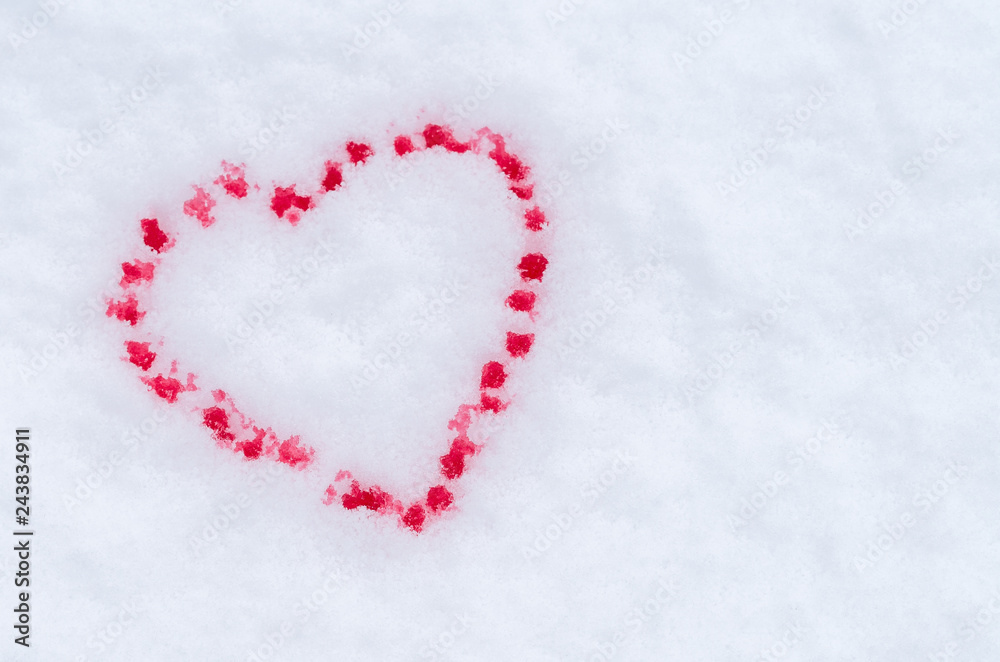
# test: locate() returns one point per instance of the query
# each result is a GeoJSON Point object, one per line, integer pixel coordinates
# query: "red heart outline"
{"type": "Point", "coordinates": [232, 429]}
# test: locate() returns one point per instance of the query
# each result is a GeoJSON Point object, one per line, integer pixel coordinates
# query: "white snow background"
{"type": "Point", "coordinates": [806, 400]}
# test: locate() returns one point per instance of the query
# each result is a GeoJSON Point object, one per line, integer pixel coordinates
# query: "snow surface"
{"type": "Point", "coordinates": [780, 443]}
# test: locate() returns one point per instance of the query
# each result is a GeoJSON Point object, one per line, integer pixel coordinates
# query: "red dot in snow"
{"type": "Point", "coordinates": [333, 178]}
{"type": "Point", "coordinates": [233, 180]}
{"type": "Point", "coordinates": [126, 311]}
{"type": "Point", "coordinates": [359, 152]}
{"type": "Point", "coordinates": [414, 518]}
{"type": "Point", "coordinates": [535, 219]}
{"type": "Point", "coordinates": [509, 164]}
{"type": "Point", "coordinates": [493, 375]}
{"type": "Point", "coordinates": [167, 388]}
{"type": "Point", "coordinates": [532, 266]}
{"type": "Point", "coordinates": [139, 354]}
{"type": "Point", "coordinates": [439, 498]}
{"type": "Point", "coordinates": [403, 145]}
{"type": "Point", "coordinates": [153, 236]}
{"type": "Point", "coordinates": [285, 198]}
{"type": "Point", "coordinates": [518, 344]}
{"type": "Point", "coordinates": [136, 272]}
{"type": "Point", "coordinates": [521, 301]}
{"type": "Point", "coordinates": [217, 420]}
{"type": "Point", "coordinates": [490, 403]}
{"type": "Point", "coordinates": [435, 135]}
{"type": "Point", "coordinates": [200, 207]}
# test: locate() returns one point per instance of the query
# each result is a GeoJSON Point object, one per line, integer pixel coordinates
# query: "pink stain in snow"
{"type": "Point", "coordinates": [200, 207]}
{"type": "Point", "coordinates": [126, 311]}
{"type": "Point", "coordinates": [233, 180]}
{"type": "Point", "coordinates": [139, 354]}
{"type": "Point", "coordinates": [534, 219]}
{"type": "Point", "coordinates": [136, 272]}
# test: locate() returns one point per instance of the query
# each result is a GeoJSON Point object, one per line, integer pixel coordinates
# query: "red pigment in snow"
{"type": "Point", "coordinates": [329, 495]}
{"type": "Point", "coordinates": [532, 266]}
{"type": "Point", "coordinates": [292, 454]}
{"type": "Point", "coordinates": [253, 449]}
{"type": "Point", "coordinates": [521, 300]}
{"type": "Point", "coordinates": [490, 403]}
{"type": "Point", "coordinates": [233, 180]}
{"type": "Point", "coordinates": [284, 198]}
{"type": "Point", "coordinates": [523, 192]}
{"type": "Point", "coordinates": [453, 464]}
{"type": "Point", "coordinates": [153, 236]}
{"type": "Point", "coordinates": [167, 388]}
{"type": "Point", "coordinates": [199, 207]}
{"type": "Point", "coordinates": [359, 152]}
{"type": "Point", "coordinates": [509, 164]}
{"type": "Point", "coordinates": [333, 177]}
{"type": "Point", "coordinates": [518, 344]}
{"type": "Point", "coordinates": [414, 518]}
{"type": "Point", "coordinates": [493, 375]}
{"type": "Point", "coordinates": [403, 145]}
{"type": "Point", "coordinates": [217, 420]}
{"type": "Point", "coordinates": [535, 219]}
{"type": "Point", "coordinates": [126, 311]}
{"type": "Point", "coordinates": [372, 499]}
{"type": "Point", "coordinates": [139, 354]}
{"type": "Point", "coordinates": [441, 135]}
{"type": "Point", "coordinates": [136, 273]}
{"type": "Point", "coordinates": [439, 498]}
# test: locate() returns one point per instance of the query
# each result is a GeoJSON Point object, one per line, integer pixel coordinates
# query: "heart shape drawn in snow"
{"type": "Point", "coordinates": [235, 430]}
